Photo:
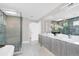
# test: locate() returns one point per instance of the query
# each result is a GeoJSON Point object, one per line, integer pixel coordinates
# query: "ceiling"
{"type": "Point", "coordinates": [65, 12]}
{"type": "Point", "coordinates": [33, 11]}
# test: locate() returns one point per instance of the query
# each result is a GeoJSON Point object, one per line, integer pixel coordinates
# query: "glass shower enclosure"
{"type": "Point", "coordinates": [11, 30]}
{"type": "Point", "coordinates": [2, 29]}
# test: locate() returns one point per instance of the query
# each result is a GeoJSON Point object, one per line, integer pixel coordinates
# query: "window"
{"type": "Point", "coordinates": [75, 23]}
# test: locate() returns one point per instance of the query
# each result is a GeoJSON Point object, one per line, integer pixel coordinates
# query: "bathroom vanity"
{"type": "Point", "coordinates": [61, 44]}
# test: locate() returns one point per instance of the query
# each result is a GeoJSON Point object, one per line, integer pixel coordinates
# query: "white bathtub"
{"type": "Point", "coordinates": [7, 50]}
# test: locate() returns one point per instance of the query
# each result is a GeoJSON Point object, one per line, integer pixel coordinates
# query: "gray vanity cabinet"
{"type": "Point", "coordinates": [57, 47]}
{"type": "Point", "coordinates": [76, 49]}
{"type": "Point", "coordinates": [40, 40]}
{"type": "Point", "coordinates": [63, 51]}
{"type": "Point", "coordinates": [69, 49]}
{"type": "Point", "coordinates": [44, 41]}
{"type": "Point", "coordinates": [52, 45]}
{"type": "Point", "coordinates": [48, 43]}
{"type": "Point", "coordinates": [72, 49]}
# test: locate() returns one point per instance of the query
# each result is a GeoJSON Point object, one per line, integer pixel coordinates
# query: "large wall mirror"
{"type": "Point", "coordinates": [67, 26]}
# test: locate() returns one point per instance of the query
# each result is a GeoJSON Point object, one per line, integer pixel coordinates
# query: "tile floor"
{"type": "Point", "coordinates": [34, 49]}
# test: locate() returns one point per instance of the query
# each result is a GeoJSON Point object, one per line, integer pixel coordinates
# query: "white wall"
{"type": "Point", "coordinates": [45, 26]}
{"type": "Point", "coordinates": [30, 30]}
{"type": "Point", "coordinates": [25, 30]}
{"type": "Point", "coordinates": [35, 29]}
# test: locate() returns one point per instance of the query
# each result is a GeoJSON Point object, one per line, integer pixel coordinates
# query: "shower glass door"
{"type": "Point", "coordinates": [2, 29]}
{"type": "Point", "coordinates": [13, 31]}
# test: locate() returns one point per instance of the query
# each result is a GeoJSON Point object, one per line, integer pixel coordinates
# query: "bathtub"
{"type": "Point", "coordinates": [7, 50]}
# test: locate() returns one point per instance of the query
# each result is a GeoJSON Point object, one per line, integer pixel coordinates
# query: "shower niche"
{"type": "Point", "coordinates": [11, 30]}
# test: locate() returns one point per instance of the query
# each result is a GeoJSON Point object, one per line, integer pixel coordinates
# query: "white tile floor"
{"type": "Point", "coordinates": [34, 49]}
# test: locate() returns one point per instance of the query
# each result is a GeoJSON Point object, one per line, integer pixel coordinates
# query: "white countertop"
{"type": "Point", "coordinates": [74, 39]}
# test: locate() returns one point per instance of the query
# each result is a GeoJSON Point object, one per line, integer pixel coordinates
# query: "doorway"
{"type": "Point", "coordinates": [35, 30]}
